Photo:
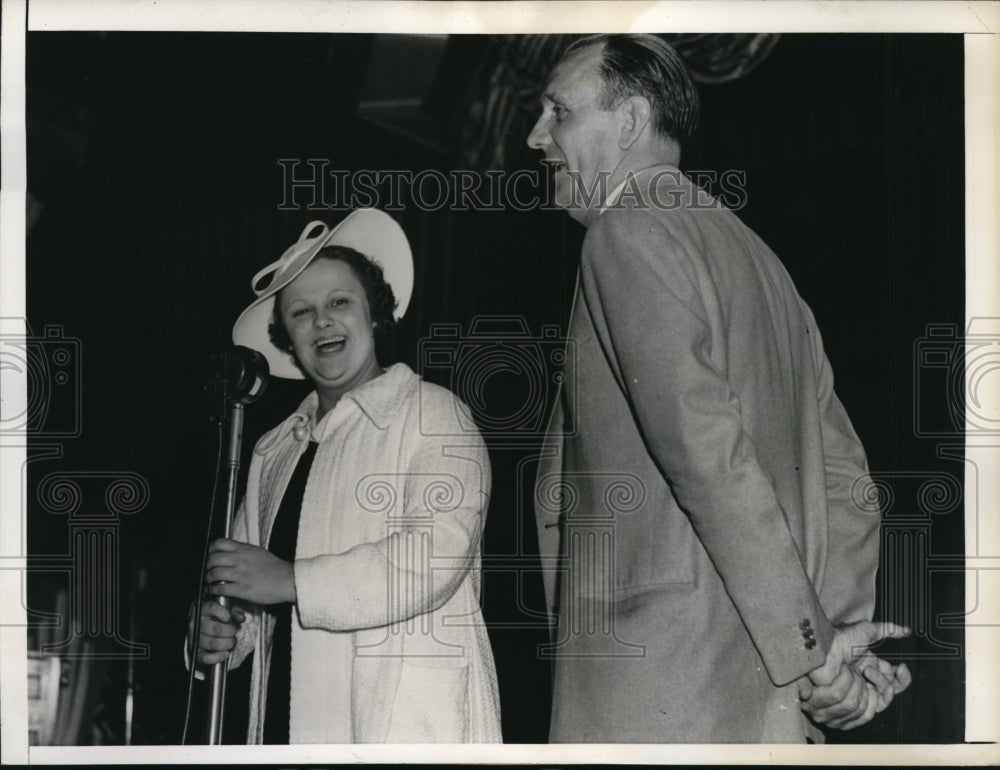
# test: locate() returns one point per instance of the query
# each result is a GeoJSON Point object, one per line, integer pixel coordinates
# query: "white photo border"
{"type": "Point", "coordinates": [979, 22]}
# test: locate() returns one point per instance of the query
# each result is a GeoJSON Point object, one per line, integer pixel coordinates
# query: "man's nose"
{"type": "Point", "coordinates": [539, 137]}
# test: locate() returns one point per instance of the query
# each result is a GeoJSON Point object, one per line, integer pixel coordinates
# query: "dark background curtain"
{"type": "Point", "coordinates": [157, 192]}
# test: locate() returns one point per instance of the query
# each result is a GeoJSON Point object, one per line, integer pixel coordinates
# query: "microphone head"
{"type": "Point", "coordinates": [242, 374]}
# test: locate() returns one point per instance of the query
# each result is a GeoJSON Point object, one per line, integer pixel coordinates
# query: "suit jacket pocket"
{"type": "Point", "coordinates": [653, 546]}
{"type": "Point", "coordinates": [673, 543]}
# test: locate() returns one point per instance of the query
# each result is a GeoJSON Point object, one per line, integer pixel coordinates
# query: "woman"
{"type": "Point", "coordinates": [354, 565]}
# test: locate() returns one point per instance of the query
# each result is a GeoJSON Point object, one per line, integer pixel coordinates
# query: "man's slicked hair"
{"type": "Point", "coordinates": [647, 66]}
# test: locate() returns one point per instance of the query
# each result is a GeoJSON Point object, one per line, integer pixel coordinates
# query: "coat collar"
{"type": "Point", "coordinates": [378, 399]}
{"type": "Point", "coordinates": [638, 175]}
{"type": "Point", "coordinates": [658, 186]}
{"type": "Point", "coordinates": [382, 397]}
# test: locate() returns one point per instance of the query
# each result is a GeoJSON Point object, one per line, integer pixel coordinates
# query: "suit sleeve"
{"type": "Point", "coordinates": [848, 588]}
{"type": "Point", "coordinates": [428, 551]}
{"type": "Point", "coordinates": [640, 285]}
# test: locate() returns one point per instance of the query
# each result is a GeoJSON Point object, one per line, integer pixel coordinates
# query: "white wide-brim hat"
{"type": "Point", "coordinates": [368, 231]}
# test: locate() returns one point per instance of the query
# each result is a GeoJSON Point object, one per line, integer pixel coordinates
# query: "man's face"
{"type": "Point", "coordinates": [578, 136]}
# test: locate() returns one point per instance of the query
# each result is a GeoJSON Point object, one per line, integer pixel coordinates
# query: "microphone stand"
{"type": "Point", "coordinates": [218, 677]}
{"type": "Point", "coordinates": [243, 380]}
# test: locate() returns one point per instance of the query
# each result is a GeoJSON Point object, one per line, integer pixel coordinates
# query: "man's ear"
{"type": "Point", "coordinates": [636, 112]}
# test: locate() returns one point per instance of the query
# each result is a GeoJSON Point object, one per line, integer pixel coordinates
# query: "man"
{"type": "Point", "coordinates": [710, 558]}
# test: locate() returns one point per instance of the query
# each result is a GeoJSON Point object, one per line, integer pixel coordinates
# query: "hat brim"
{"type": "Point", "coordinates": [368, 231]}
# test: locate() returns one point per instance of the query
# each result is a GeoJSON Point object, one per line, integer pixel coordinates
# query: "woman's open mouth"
{"type": "Point", "coordinates": [330, 345]}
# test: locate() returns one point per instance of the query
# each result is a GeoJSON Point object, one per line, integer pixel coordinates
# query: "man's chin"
{"type": "Point", "coordinates": [572, 203]}
{"type": "Point", "coordinates": [576, 209]}
{"type": "Point", "coordinates": [582, 215]}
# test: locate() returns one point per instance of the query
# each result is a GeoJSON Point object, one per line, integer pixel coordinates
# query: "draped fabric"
{"type": "Point", "coordinates": [505, 99]}
{"type": "Point", "coordinates": [721, 58]}
{"type": "Point", "coordinates": [504, 104]}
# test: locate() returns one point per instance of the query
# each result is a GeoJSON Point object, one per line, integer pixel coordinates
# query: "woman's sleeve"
{"type": "Point", "coordinates": [245, 529]}
{"type": "Point", "coordinates": [246, 633]}
{"type": "Point", "coordinates": [434, 514]}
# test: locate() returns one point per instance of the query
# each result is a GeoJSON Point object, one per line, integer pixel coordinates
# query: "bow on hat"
{"type": "Point", "coordinates": [368, 231]}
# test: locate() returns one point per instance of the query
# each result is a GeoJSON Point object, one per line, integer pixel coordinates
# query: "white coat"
{"type": "Point", "coordinates": [388, 641]}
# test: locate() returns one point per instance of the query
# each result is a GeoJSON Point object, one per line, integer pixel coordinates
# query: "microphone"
{"type": "Point", "coordinates": [239, 378]}
{"type": "Point", "coordinates": [239, 374]}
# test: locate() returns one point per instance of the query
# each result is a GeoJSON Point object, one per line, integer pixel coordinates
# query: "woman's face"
{"type": "Point", "coordinates": [326, 313]}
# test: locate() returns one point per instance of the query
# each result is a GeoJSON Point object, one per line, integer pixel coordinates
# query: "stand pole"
{"type": "Point", "coordinates": [218, 677]}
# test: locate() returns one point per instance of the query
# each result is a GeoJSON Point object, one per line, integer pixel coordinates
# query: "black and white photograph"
{"type": "Point", "coordinates": [566, 383]}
